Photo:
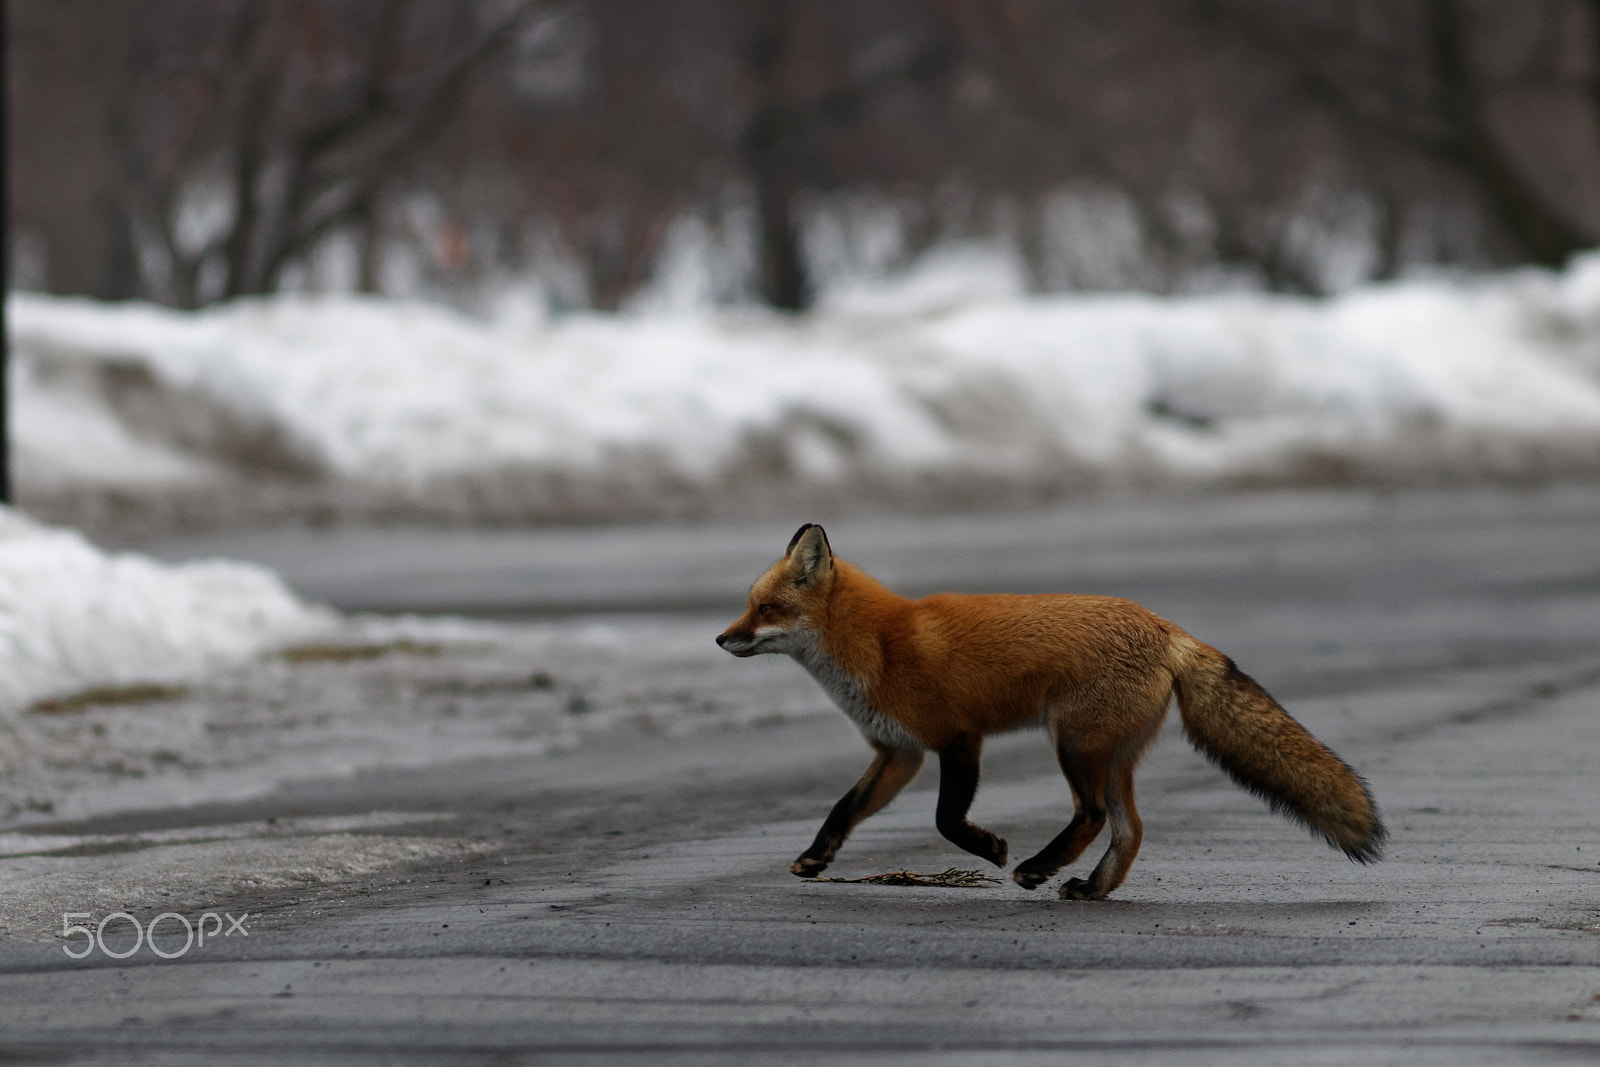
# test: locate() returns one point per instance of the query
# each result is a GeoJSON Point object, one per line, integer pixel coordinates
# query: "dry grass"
{"type": "Point", "coordinates": [148, 693]}
{"type": "Point", "coordinates": [350, 653]}
{"type": "Point", "coordinates": [953, 878]}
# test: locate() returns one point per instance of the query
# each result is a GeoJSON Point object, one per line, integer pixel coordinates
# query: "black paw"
{"type": "Point", "coordinates": [1078, 889]}
{"type": "Point", "coordinates": [995, 851]}
{"type": "Point", "coordinates": [1030, 879]}
{"type": "Point", "coordinates": [808, 867]}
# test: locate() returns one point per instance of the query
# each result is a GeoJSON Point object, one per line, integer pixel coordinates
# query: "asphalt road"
{"type": "Point", "coordinates": [629, 901]}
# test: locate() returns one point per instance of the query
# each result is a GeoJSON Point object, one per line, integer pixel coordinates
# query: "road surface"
{"type": "Point", "coordinates": [628, 901]}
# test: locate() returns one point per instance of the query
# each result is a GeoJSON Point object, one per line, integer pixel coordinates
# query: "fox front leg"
{"type": "Point", "coordinates": [958, 784]}
{"type": "Point", "coordinates": [890, 772]}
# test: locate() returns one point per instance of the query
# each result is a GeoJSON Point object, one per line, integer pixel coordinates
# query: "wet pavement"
{"type": "Point", "coordinates": [628, 900]}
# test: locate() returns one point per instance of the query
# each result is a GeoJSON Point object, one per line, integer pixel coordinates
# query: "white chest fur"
{"type": "Point", "coordinates": [850, 693]}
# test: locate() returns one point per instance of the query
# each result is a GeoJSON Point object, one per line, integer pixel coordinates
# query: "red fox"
{"type": "Point", "coordinates": [943, 672]}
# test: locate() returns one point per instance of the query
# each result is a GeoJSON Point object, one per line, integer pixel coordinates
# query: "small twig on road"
{"type": "Point", "coordinates": [953, 878]}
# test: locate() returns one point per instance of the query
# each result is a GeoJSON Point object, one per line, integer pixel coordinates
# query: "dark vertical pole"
{"type": "Point", "coordinates": [5, 265]}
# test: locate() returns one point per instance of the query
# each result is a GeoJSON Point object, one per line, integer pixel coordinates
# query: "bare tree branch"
{"type": "Point", "coordinates": [1450, 124]}
{"type": "Point", "coordinates": [325, 194]}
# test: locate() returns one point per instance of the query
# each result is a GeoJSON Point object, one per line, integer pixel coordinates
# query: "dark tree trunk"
{"type": "Point", "coordinates": [1547, 237]}
{"type": "Point", "coordinates": [777, 152]}
{"type": "Point", "coordinates": [785, 283]}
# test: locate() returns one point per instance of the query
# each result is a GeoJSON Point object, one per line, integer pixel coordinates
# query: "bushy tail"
{"type": "Point", "coordinates": [1238, 726]}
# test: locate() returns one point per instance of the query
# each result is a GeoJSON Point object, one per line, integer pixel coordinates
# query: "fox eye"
{"type": "Point", "coordinates": [762, 609]}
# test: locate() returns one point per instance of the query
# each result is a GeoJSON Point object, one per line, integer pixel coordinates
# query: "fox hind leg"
{"type": "Point", "coordinates": [1101, 777]}
{"type": "Point", "coordinates": [1127, 833]}
{"type": "Point", "coordinates": [1086, 774]}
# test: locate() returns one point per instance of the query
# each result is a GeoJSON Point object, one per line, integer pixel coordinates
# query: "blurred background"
{"type": "Point", "coordinates": [567, 312]}
{"type": "Point", "coordinates": [189, 151]}
{"type": "Point", "coordinates": [529, 260]}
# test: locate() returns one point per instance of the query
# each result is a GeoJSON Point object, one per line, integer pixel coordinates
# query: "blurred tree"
{"type": "Point", "coordinates": [243, 132]}
{"type": "Point", "coordinates": [190, 150]}
{"type": "Point", "coordinates": [5, 270]}
{"type": "Point", "coordinates": [306, 110]}
{"type": "Point", "coordinates": [1506, 95]}
{"type": "Point", "coordinates": [802, 91]}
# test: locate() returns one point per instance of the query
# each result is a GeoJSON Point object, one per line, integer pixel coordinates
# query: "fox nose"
{"type": "Point", "coordinates": [722, 639]}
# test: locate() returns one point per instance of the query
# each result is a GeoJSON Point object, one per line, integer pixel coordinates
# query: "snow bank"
{"type": "Point", "coordinates": [74, 618]}
{"type": "Point", "coordinates": [949, 383]}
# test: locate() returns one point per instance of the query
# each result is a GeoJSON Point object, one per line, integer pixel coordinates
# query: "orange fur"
{"type": "Point", "coordinates": [943, 672]}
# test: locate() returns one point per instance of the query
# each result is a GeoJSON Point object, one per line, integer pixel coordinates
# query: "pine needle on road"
{"type": "Point", "coordinates": [953, 878]}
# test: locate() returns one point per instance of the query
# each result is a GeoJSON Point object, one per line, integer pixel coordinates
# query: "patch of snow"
{"type": "Point", "coordinates": [73, 617]}
{"type": "Point", "coordinates": [430, 691]}
{"type": "Point", "coordinates": [949, 376]}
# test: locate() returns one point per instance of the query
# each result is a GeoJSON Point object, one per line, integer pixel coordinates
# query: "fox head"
{"type": "Point", "coordinates": [785, 601]}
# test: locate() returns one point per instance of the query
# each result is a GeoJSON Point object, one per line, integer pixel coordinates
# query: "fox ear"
{"type": "Point", "coordinates": [795, 540]}
{"type": "Point", "coordinates": [809, 553]}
